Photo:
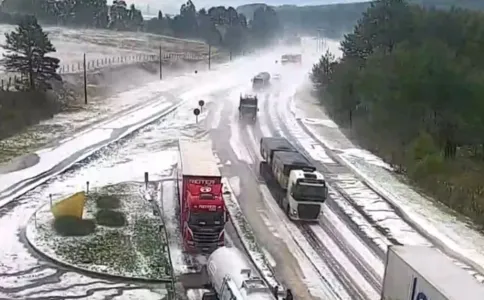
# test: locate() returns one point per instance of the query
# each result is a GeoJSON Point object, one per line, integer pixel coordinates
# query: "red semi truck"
{"type": "Point", "coordinates": [202, 207]}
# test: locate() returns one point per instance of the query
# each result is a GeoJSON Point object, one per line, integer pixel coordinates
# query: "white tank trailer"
{"type": "Point", "coordinates": [231, 277]}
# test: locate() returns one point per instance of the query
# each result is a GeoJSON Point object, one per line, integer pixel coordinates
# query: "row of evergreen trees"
{"type": "Point", "coordinates": [219, 26]}
{"type": "Point", "coordinates": [410, 84]}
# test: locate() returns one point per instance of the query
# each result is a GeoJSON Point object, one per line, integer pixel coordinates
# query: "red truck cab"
{"type": "Point", "coordinates": [202, 208]}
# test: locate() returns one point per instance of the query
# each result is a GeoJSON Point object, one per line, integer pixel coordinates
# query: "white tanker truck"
{"type": "Point", "coordinates": [232, 278]}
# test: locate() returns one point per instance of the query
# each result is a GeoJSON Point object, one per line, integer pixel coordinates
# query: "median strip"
{"type": "Point", "coordinates": [246, 235]}
{"type": "Point", "coordinates": [55, 161]}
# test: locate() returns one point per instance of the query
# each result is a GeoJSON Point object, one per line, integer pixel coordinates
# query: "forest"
{"type": "Point", "coordinates": [220, 26]}
{"type": "Point", "coordinates": [409, 87]}
{"type": "Point", "coordinates": [334, 20]}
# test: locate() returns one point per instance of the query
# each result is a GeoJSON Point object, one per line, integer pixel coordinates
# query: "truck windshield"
{"type": "Point", "coordinates": [248, 102]}
{"type": "Point", "coordinates": [206, 218]}
{"type": "Point", "coordinates": [309, 192]}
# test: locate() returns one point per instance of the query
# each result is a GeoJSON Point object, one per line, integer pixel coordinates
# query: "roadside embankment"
{"type": "Point", "coordinates": [21, 112]}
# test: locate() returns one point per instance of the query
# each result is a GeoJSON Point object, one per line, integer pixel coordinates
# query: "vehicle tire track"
{"type": "Point", "coordinates": [331, 172]}
{"type": "Point", "coordinates": [367, 272]}
{"type": "Point", "coordinates": [370, 275]}
{"type": "Point", "coordinates": [337, 269]}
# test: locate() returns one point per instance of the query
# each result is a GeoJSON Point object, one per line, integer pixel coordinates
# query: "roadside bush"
{"type": "Point", "coordinates": [423, 146]}
{"type": "Point", "coordinates": [110, 218]}
{"type": "Point", "coordinates": [72, 226]}
{"type": "Point", "coordinates": [107, 202]}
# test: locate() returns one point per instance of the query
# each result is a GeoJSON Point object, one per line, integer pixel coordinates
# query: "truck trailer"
{"type": "Point", "coordinates": [248, 107]}
{"type": "Point", "coordinates": [232, 277]}
{"type": "Point", "coordinates": [291, 58]}
{"type": "Point", "coordinates": [261, 81]}
{"type": "Point", "coordinates": [303, 189]}
{"type": "Point", "coordinates": [423, 273]}
{"type": "Point", "coordinates": [202, 208]}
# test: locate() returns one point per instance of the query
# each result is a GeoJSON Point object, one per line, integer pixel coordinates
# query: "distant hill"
{"type": "Point", "coordinates": [336, 19]}
{"type": "Point", "coordinates": [249, 9]}
{"type": "Point", "coordinates": [447, 4]}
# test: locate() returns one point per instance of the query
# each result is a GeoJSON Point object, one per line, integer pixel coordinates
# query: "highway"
{"type": "Point", "coordinates": [342, 257]}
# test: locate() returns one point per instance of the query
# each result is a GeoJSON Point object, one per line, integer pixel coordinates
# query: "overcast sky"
{"type": "Point", "coordinates": [173, 6]}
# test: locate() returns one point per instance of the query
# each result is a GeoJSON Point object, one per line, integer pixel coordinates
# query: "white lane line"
{"type": "Point", "coordinates": [352, 271]}
{"type": "Point", "coordinates": [309, 261]}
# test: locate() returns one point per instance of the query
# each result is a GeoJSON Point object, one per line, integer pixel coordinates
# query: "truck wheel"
{"type": "Point", "coordinates": [287, 210]}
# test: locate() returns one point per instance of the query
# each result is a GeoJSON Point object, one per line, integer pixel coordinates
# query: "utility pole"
{"type": "Point", "coordinates": [320, 40]}
{"type": "Point", "coordinates": [85, 80]}
{"type": "Point", "coordinates": [161, 66]}
{"type": "Point", "coordinates": [209, 55]}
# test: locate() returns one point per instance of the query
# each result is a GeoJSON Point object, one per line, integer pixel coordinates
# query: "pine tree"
{"type": "Point", "coordinates": [27, 47]}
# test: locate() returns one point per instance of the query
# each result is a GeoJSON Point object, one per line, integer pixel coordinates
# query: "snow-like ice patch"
{"type": "Point", "coordinates": [446, 230]}
{"type": "Point", "coordinates": [235, 184]}
{"type": "Point", "coordinates": [85, 143]}
{"type": "Point", "coordinates": [19, 163]}
{"type": "Point", "coordinates": [367, 156]}
{"type": "Point", "coordinates": [355, 241]}
{"type": "Point", "coordinates": [454, 234]}
{"type": "Point", "coordinates": [316, 151]}
{"type": "Point", "coordinates": [379, 210]}
{"type": "Point", "coordinates": [324, 122]}
{"type": "Point", "coordinates": [309, 261]}
{"type": "Point", "coordinates": [141, 294]}
{"type": "Point", "coordinates": [168, 204]}
{"type": "Point", "coordinates": [196, 294]}
{"type": "Point", "coordinates": [238, 145]}
{"type": "Point", "coordinates": [240, 223]}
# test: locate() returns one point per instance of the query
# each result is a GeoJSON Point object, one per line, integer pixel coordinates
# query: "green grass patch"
{"type": "Point", "coordinates": [108, 202]}
{"type": "Point", "coordinates": [110, 218]}
{"type": "Point", "coordinates": [72, 226]}
{"type": "Point", "coordinates": [149, 244]}
{"type": "Point", "coordinates": [112, 249]}
{"type": "Point", "coordinates": [133, 249]}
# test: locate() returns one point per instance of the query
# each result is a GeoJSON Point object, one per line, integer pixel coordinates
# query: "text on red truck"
{"type": "Point", "coordinates": [202, 181]}
{"type": "Point", "coordinates": [209, 207]}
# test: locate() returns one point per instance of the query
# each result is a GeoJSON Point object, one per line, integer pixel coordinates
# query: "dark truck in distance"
{"type": "Point", "coordinates": [261, 81]}
{"type": "Point", "coordinates": [293, 40]}
{"type": "Point", "coordinates": [301, 188]}
{"type": "Point", "coordinates": [248, 107]}
{"type": "Point", "coordinates": [291, 58]}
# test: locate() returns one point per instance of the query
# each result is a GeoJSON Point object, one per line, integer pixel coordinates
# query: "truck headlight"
{"type": "Point", "coordinates": [294, 212]}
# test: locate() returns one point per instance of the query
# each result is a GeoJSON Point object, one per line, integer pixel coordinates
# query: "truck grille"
{"type": "Point", "coordinates": [206, 239]}
{"type": "Point", "coordinates": [308, 211]}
